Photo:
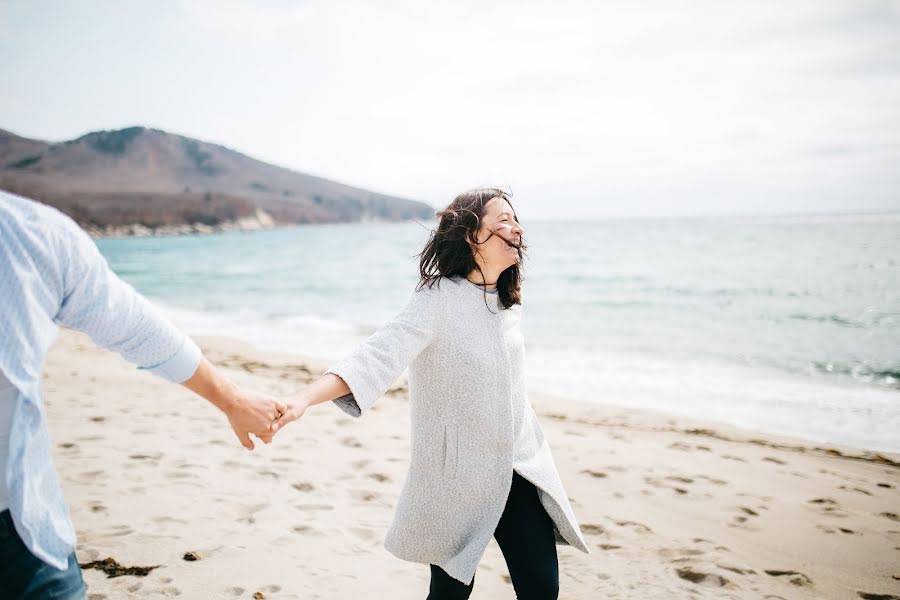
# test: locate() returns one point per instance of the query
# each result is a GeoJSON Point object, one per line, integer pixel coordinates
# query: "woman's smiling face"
{"type": "Point", "coordinates": [500, 250]}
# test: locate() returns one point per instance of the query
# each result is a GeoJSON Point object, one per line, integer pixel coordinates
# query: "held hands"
{"type": "Point", "coordinates": [252, 412]}
{"type": "Point", "coordinates": [247, 411]}
{"type": "Point", "coordinates": [326, 388]}
{"type": "Point", "coordinates": [292, 411]}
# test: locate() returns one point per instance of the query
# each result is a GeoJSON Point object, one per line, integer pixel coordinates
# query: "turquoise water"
{"type": "Point", "coordinates": [789, 325]}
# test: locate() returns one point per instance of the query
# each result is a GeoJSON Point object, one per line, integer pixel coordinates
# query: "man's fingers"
{"type": "Point", "coordinates": [266, 438]}
{"type": "Point", "coordinates": [244, 437]}
{"type": "Point", "coordinates": [280, 407]}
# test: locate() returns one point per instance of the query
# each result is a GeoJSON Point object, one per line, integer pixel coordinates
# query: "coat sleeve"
{"type": "Point", "coordinates": [374, 365]}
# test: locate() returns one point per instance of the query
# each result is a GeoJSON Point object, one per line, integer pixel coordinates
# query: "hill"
{"type": "Point", "coordinates": [140, 180]}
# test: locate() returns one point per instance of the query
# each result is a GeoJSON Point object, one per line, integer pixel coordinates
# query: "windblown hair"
{"type": "Point", "coordinates": [448, 252]}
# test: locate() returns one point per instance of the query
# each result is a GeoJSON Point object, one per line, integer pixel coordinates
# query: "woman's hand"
{"type": "Point", "coordinates": [327, 387]}
{"type": "Point", "coordinates": [293, 410]}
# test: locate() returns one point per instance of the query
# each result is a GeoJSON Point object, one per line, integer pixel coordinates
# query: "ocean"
{"type": "Point", "coordinates": [788, 325]}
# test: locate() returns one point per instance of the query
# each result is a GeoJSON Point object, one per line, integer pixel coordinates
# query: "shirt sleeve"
{"type": "Point", "coordinates": [370, 369]}
{"type": "Point", "coordinates": [115, 316]}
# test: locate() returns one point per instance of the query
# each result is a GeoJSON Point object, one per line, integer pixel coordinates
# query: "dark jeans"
{"type": "Point", "coordinates": [525, 536]}
{"type": "Point", "coordinates": [23, 576]}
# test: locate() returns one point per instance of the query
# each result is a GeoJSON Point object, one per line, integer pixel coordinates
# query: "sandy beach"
{"type": "Point", "coordinates": [671, 507]}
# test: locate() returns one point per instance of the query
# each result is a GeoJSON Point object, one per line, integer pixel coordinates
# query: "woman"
{"type": "Point", "coordinates": [479, 463]}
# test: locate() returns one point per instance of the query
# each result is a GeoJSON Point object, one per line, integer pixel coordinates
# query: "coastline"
{"type": "Point", "coordinates": [670, 506]}
{"type": "Point", "coordinates": [258, 221]}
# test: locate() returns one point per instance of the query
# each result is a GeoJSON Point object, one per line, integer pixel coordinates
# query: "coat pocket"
{"type": "Point", "coordinates": [451, 450]}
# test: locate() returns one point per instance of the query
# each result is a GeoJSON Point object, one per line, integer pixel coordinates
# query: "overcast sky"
{"type": "Point", "coordinates": [583, 109]}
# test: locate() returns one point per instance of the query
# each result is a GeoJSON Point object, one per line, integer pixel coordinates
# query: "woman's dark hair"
{"type": "Point", "coordinates": [448, 252]}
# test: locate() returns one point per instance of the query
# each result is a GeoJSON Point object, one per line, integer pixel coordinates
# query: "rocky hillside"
{"type": "Point", "coordinates": [139, 180]}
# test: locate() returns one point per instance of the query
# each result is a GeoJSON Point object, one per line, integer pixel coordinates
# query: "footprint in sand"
{"type": "Point", "coordinates": [249, 512]}
{"type": "Point", "coordinates": [743, 518]}
{"type": "Point", "coordinates": [733, 457]}
{"type": "Point", "coordinates": [856, 489]}
{"type": "Point", "coordinates": [305, 507]}
{"type": "Point", "coordinates": [608, 546]}
{"type": "Point", "coordinates": [365, 495]}
{"type": "Point", "coordinates": [635, 526]}
{"type": "Point", "coordinates": [591, 529]}
{"type": "Point", "coordinates": [379, 477]}
{"type": "Point", "coordinates": [737, 570]}
{"type": "Point", "coordinates": [679, 486]}
{"type": "Point", "coordinates": [772, 459]}
{"type": "Point", "coordinates": [169, 592]}
{"type": "Point", "coordinates": [351, 442]}
{"type": "Point", "coordinates": [827, 507]}
{"type": "Point", "coordinates": [153, 456]}
{"type": "Point", "coordinates": [868, 596]}
{"type": "Point", "coordinates": [828, 529]}
{"type": "Point", "coordinates": [700, 578]}
{"type": "Point", "coordinates": [307, 530]}
{"type": "Point", "coordinates": [658, 484]}
{"type": "Point", "coordinates": [794, 577]}
{"type": "Point", "coordinates": [119, 531]}
{"type": "Point", "coordinates": [168, 519]}
{"type": "Point", "coordinates": [680, 554]}
{"type": "Point", "coordinates": [713, 480]}
{"type": "Point", "coordinates": [303, 486]}
{"type": "Point", "coordinates": [679, 446]}
{"type": "Point", "coordinates": [592, 473]}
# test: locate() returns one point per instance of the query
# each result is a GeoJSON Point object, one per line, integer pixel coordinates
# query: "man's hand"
{"type": "Point", "coordinates": [252, 412]}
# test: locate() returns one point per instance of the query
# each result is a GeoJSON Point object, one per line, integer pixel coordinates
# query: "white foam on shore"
{"type": "Point", "coordinates": [817, 408]}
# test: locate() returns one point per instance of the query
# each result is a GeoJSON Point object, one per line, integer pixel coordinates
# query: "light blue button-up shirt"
{"type": "Point", "coordinates": [51, 273]}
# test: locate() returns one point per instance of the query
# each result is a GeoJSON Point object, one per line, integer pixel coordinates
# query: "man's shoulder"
{"type": "Point", "coordinates": [21, 214]}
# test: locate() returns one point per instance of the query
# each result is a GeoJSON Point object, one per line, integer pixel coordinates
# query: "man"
{"type": "Point", "coordinates": [52, 273]}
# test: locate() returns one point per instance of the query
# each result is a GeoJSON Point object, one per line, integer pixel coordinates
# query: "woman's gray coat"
{"type": "Point", "coordinates": [471, 422]}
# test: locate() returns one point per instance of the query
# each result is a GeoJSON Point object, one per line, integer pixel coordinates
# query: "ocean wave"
{"type": "Point", "coordinates": [889, 377]}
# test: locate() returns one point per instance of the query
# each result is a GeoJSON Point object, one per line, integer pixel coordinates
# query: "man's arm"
{"type": "Point", "coordinates": [96, 301]}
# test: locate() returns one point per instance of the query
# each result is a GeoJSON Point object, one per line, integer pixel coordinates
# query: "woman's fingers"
{"type": "Point", "coordinates": [290, 414]}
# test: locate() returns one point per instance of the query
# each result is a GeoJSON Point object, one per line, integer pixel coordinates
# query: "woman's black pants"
{"type": "Point", "coordinates": [526, 538]}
